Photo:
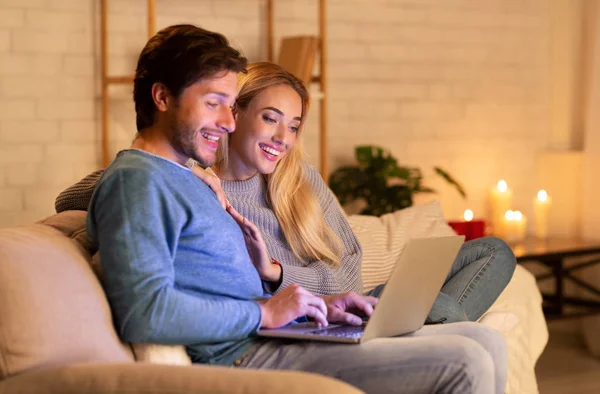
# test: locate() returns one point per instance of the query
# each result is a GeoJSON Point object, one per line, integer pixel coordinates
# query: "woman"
{"type": "Point", "coordinates": [263, 175]}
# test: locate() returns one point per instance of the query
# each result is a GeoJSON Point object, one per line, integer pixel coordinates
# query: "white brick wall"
{"type": "Point", "coordinates": [463, 84]}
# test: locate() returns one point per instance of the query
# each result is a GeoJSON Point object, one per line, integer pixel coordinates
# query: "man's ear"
{"type": "Point", "coordinates": [161, 96]}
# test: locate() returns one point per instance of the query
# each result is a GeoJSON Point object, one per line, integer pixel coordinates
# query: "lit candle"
{"type": "Point", "coordinates": [508, 226]}
{"type": "Point", "coordinates": [501, 201]}
{"type": "Point", "coordinates": [515, 225]}
{"type": "Point", "coordinates": [468, 215]}
{"type": "Point", "coordinates": [463, 227]}
{"type": "Point", "coordinates": [541, 206]}
{"type": "Point", "coordinates": [520, 226]}
{"type": "Point", "coordinates": [476, 226]}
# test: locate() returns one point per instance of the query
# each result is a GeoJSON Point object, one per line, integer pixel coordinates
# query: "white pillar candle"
{"type": "Point", "coordinates": [515, 226]}
{"type": "Point", "coordinates": [508, 226]}
{"type": "Point", "coordinates": [501, 201]}
{"type": "Point", "coordinates": [520, 226]}
{"type": "Point", "coordinates": [541, 206]}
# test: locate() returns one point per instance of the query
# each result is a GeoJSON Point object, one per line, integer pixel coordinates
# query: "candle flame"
{"type": "Point", "coordinates": [542, 196]}
{"type": "Point", "coordinates": [517, 215]}
{"type": "Point", "coordinates": [502, 186]}
{"type": "Point", "coordinates": [509, 215]}
{"type": "Point", "coordinates": [468, 215]}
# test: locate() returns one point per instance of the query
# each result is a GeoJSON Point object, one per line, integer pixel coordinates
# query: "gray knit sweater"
{"type": "Point", "coordinates": [248, 197]}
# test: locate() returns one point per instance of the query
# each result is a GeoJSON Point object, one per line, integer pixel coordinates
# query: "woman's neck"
{"type": "Point", "coordinates": [235, 170]}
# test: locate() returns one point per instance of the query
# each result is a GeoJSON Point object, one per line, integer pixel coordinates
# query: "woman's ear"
{"type": "Point", "coordinates": [161, 96]}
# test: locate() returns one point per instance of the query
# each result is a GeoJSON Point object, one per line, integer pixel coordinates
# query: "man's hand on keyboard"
{"type": "Point", "coordinates": [290, 304]}
{"type": "Point", "coordinates": [349, 308]}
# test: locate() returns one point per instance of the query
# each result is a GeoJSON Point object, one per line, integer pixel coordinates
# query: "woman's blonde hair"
{"type": "Point", "coordinates": [289, 194]}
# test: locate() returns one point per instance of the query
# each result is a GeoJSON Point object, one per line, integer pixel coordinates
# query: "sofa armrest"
{"type": "Point", "coordinates": [139, 378]}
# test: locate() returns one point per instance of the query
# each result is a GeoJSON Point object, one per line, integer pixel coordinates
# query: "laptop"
{"type": "Point", "coordinates": [404, 303]}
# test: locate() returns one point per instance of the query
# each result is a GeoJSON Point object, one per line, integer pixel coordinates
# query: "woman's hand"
{"type": "Point", "coordinates": [211, 181]}
{"type": "Point", "coordinates": [256, 248]}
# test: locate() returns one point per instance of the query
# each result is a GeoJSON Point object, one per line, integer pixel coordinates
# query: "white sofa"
{"type": "Point", "coordinates": [383, 240]}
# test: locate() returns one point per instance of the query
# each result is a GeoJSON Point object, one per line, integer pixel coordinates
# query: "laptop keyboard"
{"type": "Point", "coordinates": [341, 332]}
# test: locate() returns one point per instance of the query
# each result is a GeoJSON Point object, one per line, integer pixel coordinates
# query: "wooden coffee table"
{"type": "Point", "coordinates": [553, 253]}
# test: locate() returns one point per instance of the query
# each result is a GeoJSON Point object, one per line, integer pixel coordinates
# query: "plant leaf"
{"type": "Point", "coordinates": [399, 172]}
{"type": "Point", "coordinates": [381, 182]}
{"type": "Point", "coordinates": [401, 197]}
{"type": "Point", "coordinates": [451, 181]}
{"type": "Point", "coordinates": [348, 183]}
{"type": "Point", "coordinates": [425, 189]}
{"type": "Point", "coordinates": [364, 155]}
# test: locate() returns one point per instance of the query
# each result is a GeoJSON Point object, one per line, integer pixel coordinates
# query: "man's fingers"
{"type": "Point", "coordinates": [317, 314]}
{"type": "Point", "coordinates": [371, 302]}
{"type": "Point", "coordinates": [364, 306]}
{"type": "Point", "coordinates": [361, 303]}
{"type": "Point", "coordinates": [314, 301]}
{"type": "Point", "coordinates": [349, 318]}
{"type": "Point", "coordinates": [312, 304]}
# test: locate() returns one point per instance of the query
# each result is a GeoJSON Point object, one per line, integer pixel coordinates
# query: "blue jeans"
{"type": "Point", "coordinates": [481, 271]}
{"type": "Point", "coordinates": [461, 358]}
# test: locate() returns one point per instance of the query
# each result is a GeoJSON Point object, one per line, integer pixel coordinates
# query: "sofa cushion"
{"type": "Point", "coordinates": [161, 354]}
{"type": "Point", "coordinates": [72, 224]}
{"type": "Point", "coordinates": [52, 307]}
{"type": "Point", "coordinates": [160, 379]}
{"type": "Point", "coordinates": [383, 238]}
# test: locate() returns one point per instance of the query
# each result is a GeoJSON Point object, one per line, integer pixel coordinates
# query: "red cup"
{"type": "Point", "coordinates": [477, 229]}
{"type": "Point", "coordinates": [460, 228]}
{"type": "Point", "coordinates": [471, 230]}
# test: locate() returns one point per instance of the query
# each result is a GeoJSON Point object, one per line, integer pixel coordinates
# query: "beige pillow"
{"type": "Point", "coordinates": [383, 238]}
{"type": "Point", "coordinates": [160, 354]}
{"type": "Point", "coordinates": [150, 352]}
{"type": "Point", "coordinates": [72, 224]}
{"type": "Point", "coordinates": [53, 310]}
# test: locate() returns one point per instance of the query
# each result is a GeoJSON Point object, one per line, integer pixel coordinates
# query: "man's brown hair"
{"type": "Point", "coordinates": [179, 56]}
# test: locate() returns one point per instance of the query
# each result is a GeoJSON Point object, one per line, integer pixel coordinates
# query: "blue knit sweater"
{"type": "Point", "coordinates": [175, 265]}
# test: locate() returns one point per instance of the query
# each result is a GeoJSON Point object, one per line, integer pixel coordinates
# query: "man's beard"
{"type": "Point", "coordinates": [184, 139]}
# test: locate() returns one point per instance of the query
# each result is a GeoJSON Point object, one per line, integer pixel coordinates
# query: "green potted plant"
{"type": "Point", "coordinates": [381, 182]}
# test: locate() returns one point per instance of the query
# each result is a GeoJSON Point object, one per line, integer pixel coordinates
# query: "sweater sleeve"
{"type": "Point", "coordinates": [318, 277]}
{"type": "Point", "coordinates": [77, 197]}
{"type": "Point", "coordinates": [136, 225]}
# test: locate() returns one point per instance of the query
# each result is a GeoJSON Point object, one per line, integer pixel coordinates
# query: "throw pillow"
{"type": "Point", "coordinates": [383, 238]}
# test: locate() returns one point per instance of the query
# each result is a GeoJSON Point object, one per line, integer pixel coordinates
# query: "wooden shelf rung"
{"type": "Point", "coordinates": [316, 93]}
{"type": "Point", "coordinates": [123, 79]}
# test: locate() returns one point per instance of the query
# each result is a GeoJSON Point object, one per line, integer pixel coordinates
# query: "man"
{"type": "Point", "coordinates": [175, 265]}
